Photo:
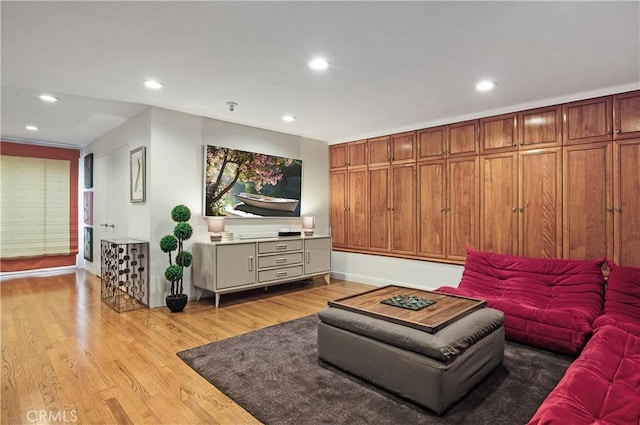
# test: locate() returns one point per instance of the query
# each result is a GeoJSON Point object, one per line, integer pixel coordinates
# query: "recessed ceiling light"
{"type": "Point", "coordinates": [485, 85]}
{"type": "Point", "coordinates": [48, 98]}
{"type": "Point", "coordinates": [318, 64]}
{"type": "Point", "coordinates": [152, 84]}
{"type": "Point", "coordinates": [288, 118]}
{"type": "Point", "coordinates": [31, 128]}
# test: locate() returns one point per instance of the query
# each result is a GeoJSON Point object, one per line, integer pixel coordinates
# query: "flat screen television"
{"type": "Point", "coordinates": [250, 184]}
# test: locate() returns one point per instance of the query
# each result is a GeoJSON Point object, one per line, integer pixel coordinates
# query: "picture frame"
{"type": "Point", "coordinates": [88, 243]}
{"type": "Point", "coordinates": [88, 208]}
{"type": "Point", "coordinates": [88, 171]}
{"type": "Point", "coordinates": [137, 174]}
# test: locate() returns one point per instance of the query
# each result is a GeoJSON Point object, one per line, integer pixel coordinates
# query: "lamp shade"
{"type": "Point", "coordinates": [308, 222]}
{"type": "Point", "coordinates": [215, 224]}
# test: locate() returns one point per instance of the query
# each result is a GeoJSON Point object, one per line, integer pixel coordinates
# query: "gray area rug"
{"type": "Point", "coordinates": [274, 373]}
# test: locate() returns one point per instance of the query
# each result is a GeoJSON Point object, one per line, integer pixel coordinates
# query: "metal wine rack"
{"type": "Point", "coordinates": [124, 273]}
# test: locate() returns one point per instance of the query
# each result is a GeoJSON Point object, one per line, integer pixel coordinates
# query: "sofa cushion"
{"type": "Point", "coordinates": [550, 303]}
{"type": "Point", "coordinates": [601, 387]}
{"type": "Point", "coordinates": [622, 299]}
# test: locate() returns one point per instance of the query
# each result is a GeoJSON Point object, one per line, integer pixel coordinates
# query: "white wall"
{"type": "Point", "coordinates": [127, 136]}
{"type": "Point", "coordinates": [379, 271]}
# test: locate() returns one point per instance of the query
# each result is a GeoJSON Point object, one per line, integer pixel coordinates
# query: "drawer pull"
{"type": "Point", "coordinates": [281, 246]}
{"type": "Point", "coordinates": [280, 274]}
{"type": "Point", "coordinates": [281, 260]}
{"type": "Point", "coordinates": [250, 264]}
{"type": "Point", "coordinates": [308, 256]}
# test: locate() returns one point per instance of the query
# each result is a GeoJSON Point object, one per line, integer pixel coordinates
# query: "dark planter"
{"type": "Point", "coordinates": [176, 303]}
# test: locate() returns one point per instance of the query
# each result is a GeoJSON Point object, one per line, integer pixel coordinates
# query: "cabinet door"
{"type": "Point", "coordinates": [379, 209]}
{"type": "Point", "coordinates": [540, 203]}
{"type": "Point", "coordinates": [626, 114]}
{"type": "Point", "coordinates": [627, 203]}
{"type": "Point", "coordinates": [464, 206]}
{"type": "Point", "coordinates": [403, 147]}
{"type": "Point", "coordinates": [403, 209]}
{"type": "Point", "coordinates": [432, 142]}
{"type": "Point", "coordinates": [357, 153]}
{"type": "Point", "coordinates": [540, 128]}
{"type": "Point", "coordinates": [379, 151]}
{"type": "Point", "coordinates": [235, 265]}
{"type": "Point", "coordinates": [498, 133]}
{"type": "Point", "coordinates": [317, 255]}
{"type": "Point", "coordinates": [338, 194]}
{"type": "Point", "coordinates": [587, 201]}
{"type": "Point", "coordinates": [463, 138]}
{"type": "Point", "coordinates": [338, 156]}
{"type": "Point", "coordinates": [431, 204]}
{"type": "Point", "coordinates": [498, 203]}
{"type": "Point", "coordinates": [357, 217]}
{"type": "Point", "coordinates": [587, 121]}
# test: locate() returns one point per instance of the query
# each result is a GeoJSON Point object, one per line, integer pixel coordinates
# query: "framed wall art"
{"type": "Point", "coordinates": [88, 208]}
{"type": "Point", "coordinates": [88, 171]}
{"type": "Point", "coordinates": [88, 243]}
{"type": "Point", "coordinates": [137, 174]}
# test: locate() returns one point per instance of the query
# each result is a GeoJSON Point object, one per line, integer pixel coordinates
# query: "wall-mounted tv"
{"type": "Point", "coordinates": [250, 184]}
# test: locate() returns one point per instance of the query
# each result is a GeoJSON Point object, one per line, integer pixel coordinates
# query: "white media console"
{"type": "Point", "coordinates": [238, 265]}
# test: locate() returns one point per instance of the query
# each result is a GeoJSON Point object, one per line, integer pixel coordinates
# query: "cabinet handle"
{"type": "Point", "coordinates": [619, 209]}
{"type": "Point", "coordinates": [443, 209]}
{"type": "Point", "coordinates": [609, 209]}
{"type": "Point", "coordinates": [618, 131]}
{"type": "Point", "coordinates": [250, 264]}
{"type": "Point", "coordinates": [281, 260]}
{"type": "Point", "coordinates": [308, 256]}
{"type": "Point", "coordinates": [280, 274]}
{"type": "Point", "coordinates": [514, 209]}
{"type": "Point", "coordinates": [281, 246]}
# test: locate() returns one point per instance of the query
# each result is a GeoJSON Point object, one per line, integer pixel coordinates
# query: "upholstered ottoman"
{"type": "Point", "coordinates": [433, 370]}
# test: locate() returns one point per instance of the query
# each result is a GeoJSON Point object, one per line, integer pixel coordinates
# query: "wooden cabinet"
{"type": "Point", "coordinates": [626, 115]}
{"type": "Point", "coordinates": [403, 208]}
{"type": "Point", "coordinates": [498, 133]}
{"type": "Point", "coordinates": [540, 203]}
{"type": "Point", "coordinates": [626, 203]}
{"type": "Point", "coordinates": [403, 147]}
{"type": "Point", "coordinates": [540, 128]}
{"type": "Point", "coordinates": [587, 121]}
{"type": "Point", "coordinates": [357, 217]}
{"type": "Point", "coordinates": [588, 201]}
{"type": "Point", "coordinates": [379, 151]}
{"type": "Point", "coordinates": [520, 203]}
{"type": "Point", "coordinates": [338, 208]}
{"type": "Point", "coordinates": [357, 154]}
{"type": "Point", "coordinates": [463, 139]}
{"type": "Point", "coordinates": [338, 156]}
{"type": "Point", "coordinates": [463, 206]}
{"type": "Point", "coordinates": [432, 142]}
{"type": "Point", "coordinates": [238, 265]}
{"type": "Point", "coordinates": [431, 209]}
{"type": "Point", "coordinates": [499, 203]}
{"type": "Point", "coordinates": [379, 208]}
{"type": "Point", "coordinates": [349, 219]}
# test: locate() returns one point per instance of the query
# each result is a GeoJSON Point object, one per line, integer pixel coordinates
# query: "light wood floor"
{"type": "Point", "coordinates": [69, 358]}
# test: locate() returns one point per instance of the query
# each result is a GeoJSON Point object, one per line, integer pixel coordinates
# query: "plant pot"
{"type": "Point", "coordinates": [176, 303]}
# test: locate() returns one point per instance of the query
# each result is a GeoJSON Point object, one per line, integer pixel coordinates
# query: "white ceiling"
{"type": "Point", "coordinates": [395, 65]}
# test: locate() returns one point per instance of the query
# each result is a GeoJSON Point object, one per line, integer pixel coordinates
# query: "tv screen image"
{"type": "Point", "coordinates": [250, 184]}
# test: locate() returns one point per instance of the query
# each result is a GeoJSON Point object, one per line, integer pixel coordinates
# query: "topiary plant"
{"type": "Point", "coordinates": [169, 243]}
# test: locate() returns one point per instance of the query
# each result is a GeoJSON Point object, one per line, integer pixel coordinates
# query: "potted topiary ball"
{"type": "Point", "coordinates": [176, 300]}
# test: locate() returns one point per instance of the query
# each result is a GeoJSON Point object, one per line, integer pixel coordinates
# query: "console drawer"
{"type": "Point", "coordinates": [280, 260]}
{"type": "Point", "coordinates": [280, 246]}
{"type": "Point", "coordinates": [278, 274]}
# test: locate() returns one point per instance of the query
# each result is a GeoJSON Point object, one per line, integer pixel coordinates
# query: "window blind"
{"type": "Point", "coordinates": [38, 218]}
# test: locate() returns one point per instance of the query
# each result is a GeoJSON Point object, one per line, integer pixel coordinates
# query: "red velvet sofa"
{"type": "Point", "coordinates": [548, 303]}
{"type": "Point", "coordinates": [603, 385]}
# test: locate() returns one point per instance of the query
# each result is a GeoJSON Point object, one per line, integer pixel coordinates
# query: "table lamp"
{"type": "Point", "coordinates": [308, 224]}
{"type": "Point", "coordinates": [215, 225]}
